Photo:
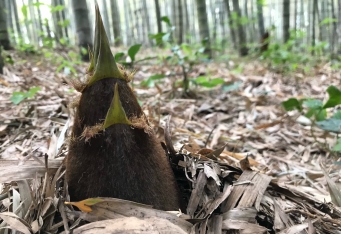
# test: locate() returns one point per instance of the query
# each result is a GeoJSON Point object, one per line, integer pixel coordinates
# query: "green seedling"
{"type": "Point", "coordinates": [316, 110]}
{"type": "Point", "coordinates": [183, 55]}
{"type": "Point", "coordinates": [128, 59]}
{"type": "Point", "coordinates": [18, 97]}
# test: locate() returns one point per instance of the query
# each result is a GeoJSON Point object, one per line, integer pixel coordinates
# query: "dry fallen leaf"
{"type": "Point", "coordinates": [85, 204]}
{"type": "Point", "coordinates": [15, 222]}
{"type": "Point", "coordinates": [130, 225]}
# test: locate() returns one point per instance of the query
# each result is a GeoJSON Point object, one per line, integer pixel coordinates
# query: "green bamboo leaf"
{"type": "Point", "coordinates": [334, 97]}
{"type": "Point", "coordinates": [133, 51]}
{"type": "Point", "coordinates": [166, 20]}
{"type": "Point", "coordinates": [57, 8]}
{"type": "Point", "coordinates": [313, 103]}
{"type": "Point", "coordinates": [17, 97]}
{"type": "Point", "coordinates": [337, 147]}
{"type": "Point", "coordinates": [337, 115]}
{"type": "Point", "coordinates": [207, 82]}
{"type": "Point", "coordinates": [150, 81]}
{"type": "Point", "coordinates": [291, 104]}
{"type": "Point", "coordinates": [118, 56]}
{"type": "Point", "coordinates": [24, 11]}
{"type": "Point", "coordinates": [330, 125]}
{"type": "Point", "coordinates": [30, 93]}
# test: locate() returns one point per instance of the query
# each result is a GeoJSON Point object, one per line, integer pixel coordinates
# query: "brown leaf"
{"type": "Point", "coordinates": [15, 222]}
{"type": "Point", "coordinates": [85, 204]}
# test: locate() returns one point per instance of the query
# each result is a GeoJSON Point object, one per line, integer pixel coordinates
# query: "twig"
{"type": "Point", "coordinates": [63, 214]}
{"type": "Point", "coordinates": [186, 81]}
{"type": "Point", "coordinates": [210, 134]}
{"type": "Point", "coordinates": [168, 137]}
{"type": "Point", "coordinates": [147, 58]}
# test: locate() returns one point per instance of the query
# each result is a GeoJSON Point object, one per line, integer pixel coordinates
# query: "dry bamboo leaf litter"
{"type": "Point", "coordinates": [256, 128]}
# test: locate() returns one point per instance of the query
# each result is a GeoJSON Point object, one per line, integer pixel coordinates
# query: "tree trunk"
{"type": "Point", "coordinates": [246, 14]}
{"type": "Point", "coordinates": [40, 24]}
{"type": "Point", "coordinates": [269, 10]}
{"type": "Point", "coordinates": [260, 17]}
{"type": "Point", "coordinates": [47, 28]}
{"type": "Point", "coordinates": [246, 11]}
{"type": "Point", "coordinates": [323, 28]}
{"type": "Point", "coordinates": [253, 31]}
{"type": "Point", "coordinates": [334, 32]}
{"type": "Point", "coordinates": [66, 34]}
{"type": "Point", "coordinates": [27, 24]}
{"type": "Point", "coordinates": [1, 62]}
{"type": "Point", "coordinates": [4, 36]}
{"type": "Point", "coordinates": [230, 22]}
{"type": "Point", "coordinates": [130, 33]}
{"type": "Point", "coordinates": [215, 28]}
{"type": "Point", "coordinates": [16, 17]}
{"type": "Point", "coordinates": [203, 25]}
{"type": "Point", "coordinates": [302, 21]}
{"type": "Point", "coordinates": [115, 15]}
{"type": "Point", "coordinates": [308, 27]}
{"type": "Point", "coordinates": [133, 15]}
{"type": "Point", "coordinates": [56, 16]}
{"type": "Point", "coordinates": [286, 20]}
{"type": "Point", "coordinates": [9, 15]}
{"type": "Point", "coordinates": [187, 24]}
{"type": "Point", "coordinates": [106, 19]}
{"type": "Point", "coordinates": [40, 21]}
{"type": "Point", "coordinates": [158, 16]}
{"type": "Point", "coordinates": [212, 8]}
{"type": "Point", "coordinates": [222, 24]}
{"type": "Point", "coordinates": [243, 50]}
{"type": "Point", "coordinates": [138, 18]}
{"type": "Point", "coordinates": [295, 15]}
{"type": "Point", "coordinates": [338, 42]}
{"type": "Point", "coordinates": [174, 20]}
{"type": "Point", "coordinates": [180, 22]}
{"type": "Point", "coordinates": [146, 22]}
{"type": "Point", "coordinates": [10, 22]}
{"type": "Point", "coordinates": [33, 23]}
{"type": "Point", "coordinates": [313, 37]}
{"type": "Point", "coordinates": [83, 29]}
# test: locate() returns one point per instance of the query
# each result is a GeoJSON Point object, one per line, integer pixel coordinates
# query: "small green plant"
{"type": "Point", "coordinates": [316, 110]}
{"type": "Point", "coordinates": [48, 42]}
{"type": "Point", "coordinates": [294, 54]}
{"type": "Point", "coordinates": [243, 20]}
{"type": "Point", "coordinates": [289, 56]}
{"type": "Point", "coordinates": [68, 64]}
{"type": "Point", "coordinates": [18, 97]}
{"type": "Point", "coordinates": [24, 47]}
{"type": "Point", "coordinates": [46, 39]}
{"type": "Point", "coordinates": [130, 58]}
{"type": "Point", "coordinates": [207, 81]}
{"type": "Point", "coordinates": [319, 48]}
{"type": "Point", "coordinates": [183, 55]}
{"type": "Point", "coordinates": [150, 82]}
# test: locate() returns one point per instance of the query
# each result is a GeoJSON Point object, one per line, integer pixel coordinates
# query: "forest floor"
{"type": "Point", "coordinates": [248, 120]}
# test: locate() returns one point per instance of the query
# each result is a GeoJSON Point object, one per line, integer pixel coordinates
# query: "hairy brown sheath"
{"type": "Point", "coordinates": [123, 160]}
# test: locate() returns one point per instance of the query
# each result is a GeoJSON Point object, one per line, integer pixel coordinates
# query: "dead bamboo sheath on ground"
{"type": "Point", "coordinates": [112, 151]}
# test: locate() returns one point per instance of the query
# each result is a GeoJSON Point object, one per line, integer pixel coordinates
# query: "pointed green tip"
{"type": "Point", "coordinates": [103, 63]}
{"type": "Point", "coordinates": [116, 113]}
{"type": "Point", "coordinates": [92, 63]}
